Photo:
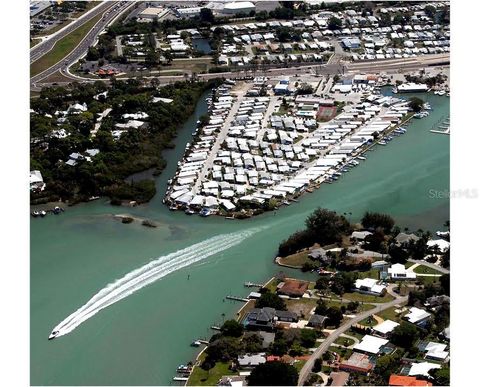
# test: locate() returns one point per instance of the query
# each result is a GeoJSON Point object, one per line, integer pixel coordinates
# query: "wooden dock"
{"type": "Point", "coordinates": [235, 298]}
{"type": "Point", "coordinates": [252, 285]}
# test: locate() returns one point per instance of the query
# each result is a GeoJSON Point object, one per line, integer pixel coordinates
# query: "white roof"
{"type": "Point", "coordinates": [36, 177]}
{"type": "Point", "coordinates": [370, 344]}
{"type": "Point", "coordinates": [436, 350]}
{"type": "Point", "coordinates": [398, 270]}
{"type": "Point", "coordinates": [422, 368]}
{"type": "Point", "coordinates": [441, 243]}
{"type": "Point", "coordinates": [370, 284]}
{"type": "Point", "coordinates": [416, 315]}
{"type": "Point", "coordinates": [385, 326]}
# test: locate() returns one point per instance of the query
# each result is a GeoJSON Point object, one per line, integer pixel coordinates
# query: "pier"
{"type": "Point", "coordinates": [235, 298]}
{"type": "Point", "coordinates": [252, 285]}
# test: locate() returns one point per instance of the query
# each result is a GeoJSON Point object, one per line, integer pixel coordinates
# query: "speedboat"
{"type": "Point", "coordinates": [189, 211]}
{"type": "Point", "coordinates": [35, 214]}
{"type": "Point", "coordinates": [53, 335]}
{"type": "Point", "coordinates": [205, 212]}
{"type": "Point", "coordinates": [43, 213]}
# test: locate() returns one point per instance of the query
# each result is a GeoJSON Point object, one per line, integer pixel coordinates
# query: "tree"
{"type": "Point", "coordinates": [416, 104]}
{"type": "Point", "coordinates": [404, 335]}
{"type": "Point", "coordinates": [270, 300]}
{"type": "Point", "coordinates": [334, 316]}
{"type": "Point", "coordinates": [441, 376]}
{"type": "Point", "coordinates": [430, 11]}
{"type": "Point", "coordinates": [327, 226]}
{"type": "Point", "coordinates": [374, 220]}
{"type": "Point", "coordinates": [223, 349]}
{"type": "Point", "coordinates": [317, 365]}
{"type": "Point", "coordinates": [206, 15]}
{"type": "Point", "coordinates": [308, 337]}
{"type": "Point", "coordinates": [334, 23]}
{"type": "Point", "coordinates": [445, 283]}
{"type": "Point", "coordinates": [321, 308]}
{"type": "Point", "coordinates": [273, 373]}
{"type": "Point", "coordinates": [353, 306]}
{"type": "Point", "coordinates": [445, 261]}
{"type": "Point", "coordinates": [385, 366]}
{"type": "Point", "coordinates": [232, 328]}
{"type": "Point", "coordinates": [322, 284]}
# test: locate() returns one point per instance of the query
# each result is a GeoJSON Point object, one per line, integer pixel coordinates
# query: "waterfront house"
{"type": "Point", "coordinates": [292, 288]}
{"type": "Point", "coordinates": [403, 238]}
{"type": "Point", "coordinates": [434, 351]}
{"type": "Point", "coordinates": [250, 361]}
{"type": "Point", "coordinates": [36, 181]}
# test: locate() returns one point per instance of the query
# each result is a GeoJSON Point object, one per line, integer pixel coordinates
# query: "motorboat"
{"type": "Point", "coordinates": [195, 343]}
{"type": "Point", "coordinates": [189, 211]}
{"type": "Point", "coordinates": [35, 214]}
{"type": "Point", "coordinates": [205, 212]}
{"type": "Point", "coordinates": [43, 213]}
{"type": "Point", "coordinates": [53, 335]}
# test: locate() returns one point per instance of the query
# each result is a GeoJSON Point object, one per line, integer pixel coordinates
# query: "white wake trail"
{"type": "Point", "coordinates": [148, 273]}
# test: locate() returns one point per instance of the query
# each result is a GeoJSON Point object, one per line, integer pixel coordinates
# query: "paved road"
{"type": "Point", "coordinates": [307, 368]}
{"type": "Point", "coordinates": [88, 40]}
{"type": "Point", "coordinates": [47, 44]}
{"type": "Point", "coordinates": [218, 142]}
{"type": "Point", "coordinates": [430, 265]}
{"type": "Point", "coordinates": [389, 66]}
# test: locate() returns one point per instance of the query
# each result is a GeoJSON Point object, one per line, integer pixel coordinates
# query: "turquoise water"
{"type": "Point", "coordinates": [141, 339]}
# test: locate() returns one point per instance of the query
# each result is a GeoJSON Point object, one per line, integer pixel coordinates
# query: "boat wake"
{"type": "Point", "coordinates": [145, 275]}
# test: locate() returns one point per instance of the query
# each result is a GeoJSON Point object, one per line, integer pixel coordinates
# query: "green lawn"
{"type": "Point", "coordinates": [426, 270]}
{"type": "Point", "coordinates": [354, 296]}
{"type": "Point", "coordinates": [428, 280]}
{"type": "Point", "coordinates": [344, 341]}
{"type": "Point", "coordinates": [299, 364]}
{"type": "Point", "coordinates": [368, 322]}
{"type": "Point", "coordinates": [344, 353]}
{"type": "Point", "coordinates": [297, 259]}
{"type": "Point", "coordinates": [200, 377]}
{"type": "Point", "coordinates": [63, 47]}
{"type": "Point", "coordinates": [389, 314]}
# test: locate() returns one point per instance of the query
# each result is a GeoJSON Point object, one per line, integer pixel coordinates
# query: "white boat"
{"type": "Point", "coordinates": [441, 92]}
{"type": "Point", "coordinates": [361, 158]}
{"type": "Point", "coordinates": [53, 335]}
{"type": "Point", "coordinates": [381, 142]}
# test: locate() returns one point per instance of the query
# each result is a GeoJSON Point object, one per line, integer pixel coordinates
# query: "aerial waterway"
{"type": "Point", "coordinates": [145, 275]}
{"type": "Point", "coordinates": [86, 260]}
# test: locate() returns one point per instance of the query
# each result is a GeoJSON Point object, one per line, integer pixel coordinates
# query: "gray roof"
{"type": "Point", "coordinates": [317, 319]}
{"type": "Point", "coordinates": [403, 237]}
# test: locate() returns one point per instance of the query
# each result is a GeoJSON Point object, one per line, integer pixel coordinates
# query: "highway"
{"type": "Point", "coordinates": [307, 368]}
{"type": "Point", "coordinates": [46, 45]}
{"type": "Point", "coordinates": [387, 66]}
{"type": "Point", "coordinates": [114, 9]}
